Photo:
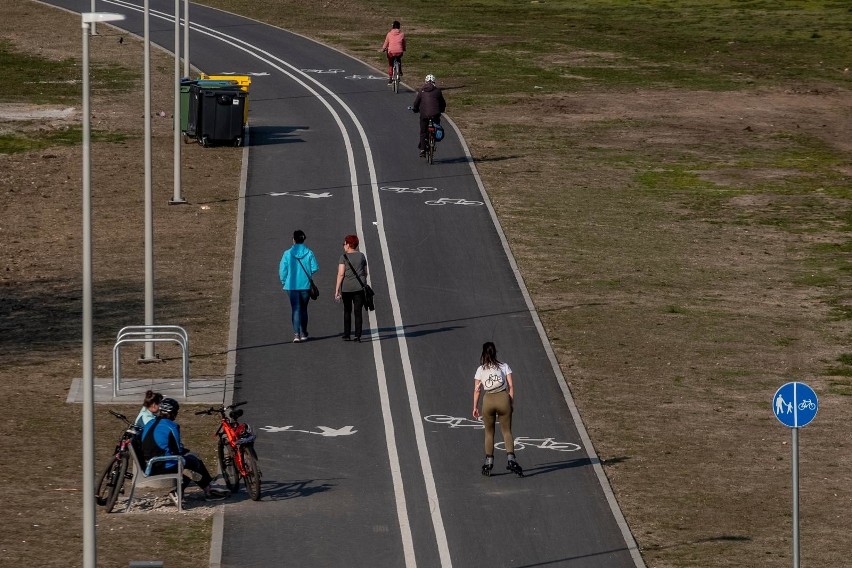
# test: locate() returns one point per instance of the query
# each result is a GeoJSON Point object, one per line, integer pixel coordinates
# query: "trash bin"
{"type": "Point", "coordinates": [185, 85]}
{"type": "Point", "coordinates": [221, 116]}
{"type": "Point", "coordinates": [193, 111]}
{"type": "Point", "coordinates": [244, 81]}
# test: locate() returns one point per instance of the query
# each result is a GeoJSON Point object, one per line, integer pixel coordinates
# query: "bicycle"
{"type": "Point", "coordinates": [434, 134]}
{"type": "Point", "coordinates": [237, 458]}
{"type": "Point", "coordinates": [111, 483]}
{"type": "Point", "coordinates": [397, 71]}
{"type": "Point", "coordinates": [807, 404]}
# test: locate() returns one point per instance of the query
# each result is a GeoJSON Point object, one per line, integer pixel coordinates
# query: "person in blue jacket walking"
{"type": "Point", "coordinates": [298, 265]}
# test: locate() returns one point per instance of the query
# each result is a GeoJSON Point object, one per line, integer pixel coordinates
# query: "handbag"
{"type": "Point", "coordinates": [368, 291]}
{"type": "Point", "coordinates": [313, 292]}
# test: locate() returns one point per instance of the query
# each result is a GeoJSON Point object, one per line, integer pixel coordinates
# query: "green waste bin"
{"type": "Point", "coordinates": [185, 85]}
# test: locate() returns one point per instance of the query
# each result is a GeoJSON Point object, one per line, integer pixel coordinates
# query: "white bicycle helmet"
{"type": "Point", "coordinates": [430, 78]}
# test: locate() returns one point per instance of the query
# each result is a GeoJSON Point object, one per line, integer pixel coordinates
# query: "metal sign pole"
{"type": "Point", "coordinates": [795, 497]}
{"type": "Point", "coordinates": [795, 405]}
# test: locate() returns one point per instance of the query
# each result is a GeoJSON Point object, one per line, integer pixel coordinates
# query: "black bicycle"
{"type": "Point", "coordinates": [431, 141]}
{"type": "Point", "coordinates": [434, 134]}
{"type": "Point", "coordinates": [111, 483]}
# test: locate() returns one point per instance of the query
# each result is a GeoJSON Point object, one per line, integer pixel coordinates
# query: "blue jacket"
{"type": "Point", "coordinates": [291, 274]}
{"type": "Point", "coordinates": [166, 441]}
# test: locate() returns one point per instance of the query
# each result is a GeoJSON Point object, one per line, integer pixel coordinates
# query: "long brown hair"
{"type": "Point", "coordinates": [489, 355]}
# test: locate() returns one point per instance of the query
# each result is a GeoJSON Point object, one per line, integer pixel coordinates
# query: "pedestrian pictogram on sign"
{"type": "Point", "coordinates": [795, 404]}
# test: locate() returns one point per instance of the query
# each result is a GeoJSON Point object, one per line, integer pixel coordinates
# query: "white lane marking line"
{"type": "Point", "coordinates": [393, 455]}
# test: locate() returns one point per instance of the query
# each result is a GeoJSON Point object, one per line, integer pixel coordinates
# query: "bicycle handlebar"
{"type": "Point", "coordinates": [220, 409]}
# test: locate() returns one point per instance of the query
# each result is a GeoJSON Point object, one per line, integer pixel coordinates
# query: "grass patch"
{"type": "Point", "coordinates": [38, 140]}
{"type": "Point", "coordinates": [46, 81]}
{"type": "Point", "coordinates": [840, 388]}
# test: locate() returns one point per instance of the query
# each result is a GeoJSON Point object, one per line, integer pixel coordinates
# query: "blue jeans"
{"type": "Point", "coordinates": [299, 304]}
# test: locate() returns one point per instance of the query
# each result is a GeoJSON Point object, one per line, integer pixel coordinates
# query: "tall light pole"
{"type": "Point", "coordinates": [89, 543]}
{"type": "Point", "coordinates": [92, 26]}
{"type": "Point", "coordinates": [177, 195]}
{"type": "Point", "coordinates": [186, 38]}
{"type": "Point", "coordinates": [149, 354]}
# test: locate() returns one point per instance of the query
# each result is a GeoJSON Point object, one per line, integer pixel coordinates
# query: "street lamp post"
{"type": "Point", "coordinates": [186, 38]}
{"type": "Point", "coordinates": [148, 355]}
{"type": "Point", "coordinates": [177, 195]}
{"type": "Point", "coordinates": [89, 544]}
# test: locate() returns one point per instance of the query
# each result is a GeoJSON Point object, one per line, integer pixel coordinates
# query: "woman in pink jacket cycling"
{"type": "Point", "coordinates": [394, 46]}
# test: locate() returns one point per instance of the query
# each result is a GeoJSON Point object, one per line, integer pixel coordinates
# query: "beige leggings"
{"type": "Point", "coordinates": [493, 405]}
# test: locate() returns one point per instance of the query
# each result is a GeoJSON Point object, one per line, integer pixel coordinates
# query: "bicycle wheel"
{"type": "Point", "coordinates": [104, 486]}
{"type": "Point", "coordinates": [396, 76]}
{"type": "Point", "coordinates": [112, 482]}
{"type": "Point", "coordinates": [252, 472]}
{"type": "Point", "coordinates": [430, 152]}
{"type": "Point", "coordinates": [228, 466]}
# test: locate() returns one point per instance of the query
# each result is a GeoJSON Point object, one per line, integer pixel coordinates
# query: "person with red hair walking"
{"type": "Point", "coordinates": [351, 276]}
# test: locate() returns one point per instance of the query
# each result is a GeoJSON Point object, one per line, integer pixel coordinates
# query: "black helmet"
{"type": "Point", "coordinates": [169, 406]}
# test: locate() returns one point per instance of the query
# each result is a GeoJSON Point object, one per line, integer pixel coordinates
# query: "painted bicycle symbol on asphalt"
{"type": "Point", "coordinates": [368, 77]}
{"type": "Point", "coordinates": [454, 422]}
{"type": "Point", "coordinates": [323, 71]}
{"type": "Point", "coordinates": [452, 201]}
{"type": "Point", "coordinates": [408, 189]}
{"type": "Point", "coordinates": [521, 442]}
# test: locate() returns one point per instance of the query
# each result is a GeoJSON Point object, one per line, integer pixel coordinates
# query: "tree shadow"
{"type": "Point", "coordinates": [475, 160]}
{"type": "Point", "coordinates": [272, 135]}
{"type": "Point", "coordinates": [44, 315]}
{"type": "Point", "coordinates": [546, 468]}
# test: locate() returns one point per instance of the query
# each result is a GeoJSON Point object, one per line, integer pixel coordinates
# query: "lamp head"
{"type": "Point", "coordinates": [89, 17]}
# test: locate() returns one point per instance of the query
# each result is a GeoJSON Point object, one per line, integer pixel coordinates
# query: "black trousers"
{"type": "Point", "coordinates": [353, 300]}
{"type": "Point", "coordinates": [193, 464]}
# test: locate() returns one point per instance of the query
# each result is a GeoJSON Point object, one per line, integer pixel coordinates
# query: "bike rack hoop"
{"type": "Point", "coordinates": [146, 334]}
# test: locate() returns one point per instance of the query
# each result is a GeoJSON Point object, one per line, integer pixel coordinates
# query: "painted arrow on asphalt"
{"type": "Point", "coordinates": [310, 194]}
{"type": "Point", "coordinates": [324, 430]}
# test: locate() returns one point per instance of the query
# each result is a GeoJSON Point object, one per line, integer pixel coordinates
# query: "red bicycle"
{"type": "Point", "coordinates": [237, 458]}
{"type": "Point", "coordinates": [111, 483]}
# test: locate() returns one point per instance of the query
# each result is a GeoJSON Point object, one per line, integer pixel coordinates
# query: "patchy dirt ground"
{"type": "Point", "coordinates": [675, 313]}
{"type": "Point", "coordinates": [40, 290]}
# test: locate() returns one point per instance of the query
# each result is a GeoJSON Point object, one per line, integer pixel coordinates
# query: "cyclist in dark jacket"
{"type": "Point", "coordinates": [429, 103]}
{"type": "Point", "coordinates": [161, 437]}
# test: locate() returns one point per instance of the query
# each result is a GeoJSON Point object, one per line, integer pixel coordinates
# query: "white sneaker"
{"type": "Point", "coordinates": [305, 337]}
{"type": "Point", "coordinates": [173, 497]}
{"type": "Point", "coordinates": [297, 338]}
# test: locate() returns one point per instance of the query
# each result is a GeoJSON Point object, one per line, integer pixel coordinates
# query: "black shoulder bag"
{"type": "Point", "coordinates": [368, 292]}
{"type": "Point", "coordinates": [314, 291]}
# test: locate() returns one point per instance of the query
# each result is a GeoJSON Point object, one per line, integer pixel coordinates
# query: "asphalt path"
{"type": "Point", "coordinates": [368, 452]}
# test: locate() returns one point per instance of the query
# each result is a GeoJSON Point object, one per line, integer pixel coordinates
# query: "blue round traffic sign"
{"type": "Point", "coordinates": [795, 404]}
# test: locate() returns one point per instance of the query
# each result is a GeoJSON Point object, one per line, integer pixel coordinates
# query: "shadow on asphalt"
{"type": "Point", "coordinates": [555, 466]}
{"type": "Point", "coordinates": [271, 135]}
{"type": "Point", "coordinates": [278, 491]}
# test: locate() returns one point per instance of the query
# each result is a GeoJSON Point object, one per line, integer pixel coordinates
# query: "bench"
{"type": "Point", "coordinates": [143, 477]}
